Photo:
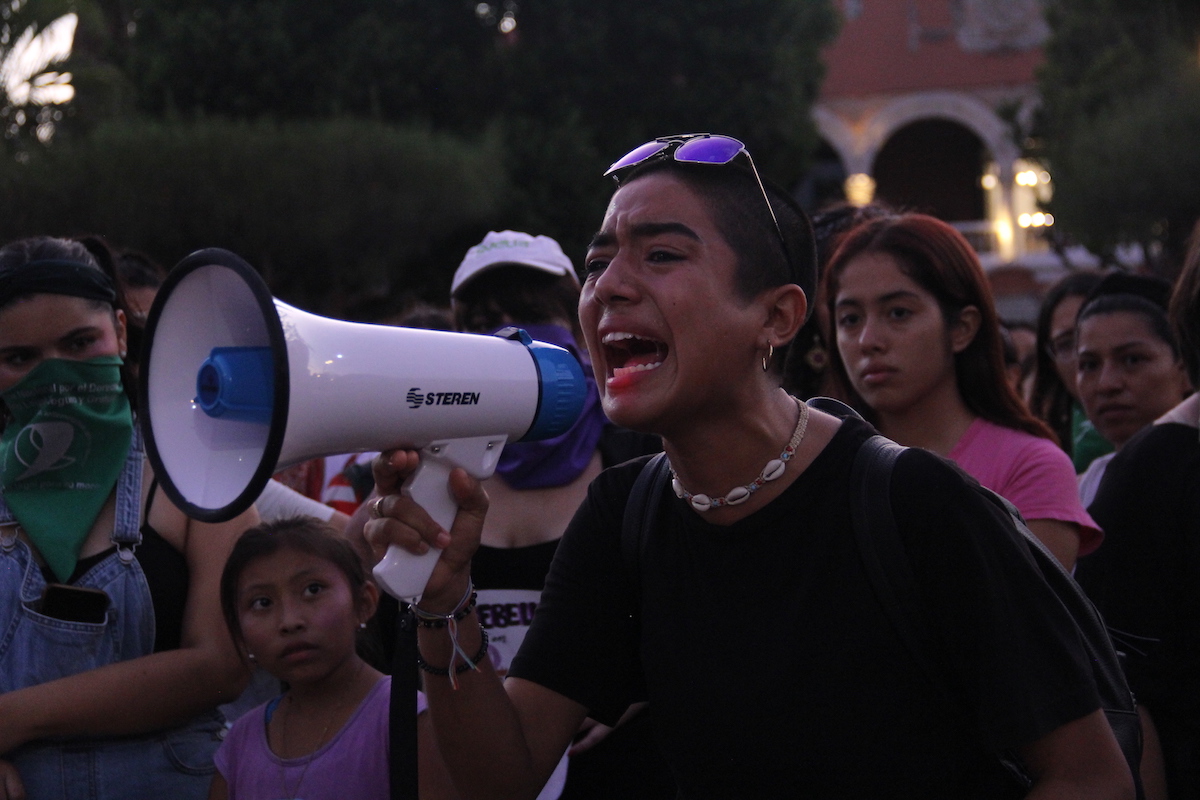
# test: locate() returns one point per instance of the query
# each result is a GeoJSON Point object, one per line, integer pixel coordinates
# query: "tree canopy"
{"type": "Point", "coordinates": [1121, 107]}
{"type": "Point", "coordinates": [567, 86]}
{"type": "Point", "coordinates": [536, 99]}
{"type": "Point", "coordinates": [342, 217]}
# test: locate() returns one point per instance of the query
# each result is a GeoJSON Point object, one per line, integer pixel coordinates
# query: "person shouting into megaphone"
{"type": "Point", "coordinates": [738, 606]}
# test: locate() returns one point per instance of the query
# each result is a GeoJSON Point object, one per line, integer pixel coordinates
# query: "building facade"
{"type": "Point", "coordinates": [923, 106]}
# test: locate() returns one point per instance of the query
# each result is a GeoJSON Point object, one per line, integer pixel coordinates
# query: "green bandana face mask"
{"type": "Point", "coordinates": [62, 453]}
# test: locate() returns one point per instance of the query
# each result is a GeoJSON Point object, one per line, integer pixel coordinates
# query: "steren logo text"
{"type": "Point", "coordinates": [417, 398]}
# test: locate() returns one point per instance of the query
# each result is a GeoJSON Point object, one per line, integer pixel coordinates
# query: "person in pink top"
{"type": "Point", "coordinates": [919, 345]}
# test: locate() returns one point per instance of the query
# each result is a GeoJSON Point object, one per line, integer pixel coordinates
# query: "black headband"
{"type": "Point", "coordinates": [55, 276]}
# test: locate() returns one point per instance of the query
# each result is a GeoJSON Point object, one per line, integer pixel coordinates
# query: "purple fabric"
{"type": "Point", "coordinates": [353, 763]}
{"type": "Point", "coordinates": [557, 461]}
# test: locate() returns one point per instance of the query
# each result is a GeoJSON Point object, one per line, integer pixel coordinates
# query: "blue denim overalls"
{"type": "Point", "coordinates": [35, 649]}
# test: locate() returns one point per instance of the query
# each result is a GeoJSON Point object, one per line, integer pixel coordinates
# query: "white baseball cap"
{"type": "Point", "coordinates": [509, 248]}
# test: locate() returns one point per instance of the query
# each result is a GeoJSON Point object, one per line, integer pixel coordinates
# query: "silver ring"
{"type": "Point", "coordinates": [373, 509]}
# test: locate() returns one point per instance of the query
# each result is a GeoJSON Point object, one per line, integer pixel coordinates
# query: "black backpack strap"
{"type": "Point", "coordinates": [881, 550]}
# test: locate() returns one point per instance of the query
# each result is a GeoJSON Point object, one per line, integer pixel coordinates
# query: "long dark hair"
{"type": "Point", "coordinates": [941, 261]}
{"type": "Point", "coordinates": [1050, 399]}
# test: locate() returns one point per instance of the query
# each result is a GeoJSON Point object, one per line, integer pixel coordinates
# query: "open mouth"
{"type": "Point", "coordinates": [628, 354]}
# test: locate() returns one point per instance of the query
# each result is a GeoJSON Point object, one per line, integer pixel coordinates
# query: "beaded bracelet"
{"type": "Point", "coordinates": [450, 622]}
{"type": "Point", "coordinates": [428, 619]}
{"type": "Point", "coordinates": [471, 663]}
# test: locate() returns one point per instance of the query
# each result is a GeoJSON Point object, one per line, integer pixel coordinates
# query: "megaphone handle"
{"type": "Point", "coordinates": [402, 574]}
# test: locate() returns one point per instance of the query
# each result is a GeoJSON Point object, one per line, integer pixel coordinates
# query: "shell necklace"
{"type": "Point", "coordinates": [773, 470]}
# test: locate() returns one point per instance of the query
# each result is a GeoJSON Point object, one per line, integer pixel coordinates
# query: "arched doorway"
{"type": "Point", "coordinates": [933, 166]}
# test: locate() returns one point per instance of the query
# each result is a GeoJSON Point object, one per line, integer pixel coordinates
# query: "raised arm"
{"type": "Point", "coordinates": [156, 691]}
{"type": "Point", "coordinates": [497, 740]}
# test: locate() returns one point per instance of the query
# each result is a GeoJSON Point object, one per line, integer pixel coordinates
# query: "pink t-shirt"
{"type": "Point", "coordinates": [353, 763]}
{"type": "Point", "coordinates": [1032, 473]}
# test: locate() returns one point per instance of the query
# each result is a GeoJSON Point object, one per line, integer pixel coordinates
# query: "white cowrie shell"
{"type": "Point", "coordinates": [774, 469]}
{"type": "Point", "coordinates": [701, 502]}
{"type": "Point", "coordinates": [739, 495]}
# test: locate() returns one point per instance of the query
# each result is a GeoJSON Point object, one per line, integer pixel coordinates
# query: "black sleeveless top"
{"type": "Point", "coordinates": [166, 573]}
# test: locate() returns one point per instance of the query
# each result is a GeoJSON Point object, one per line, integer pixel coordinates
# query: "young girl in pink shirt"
{"type": "Point", "coordinates": [918, 342]}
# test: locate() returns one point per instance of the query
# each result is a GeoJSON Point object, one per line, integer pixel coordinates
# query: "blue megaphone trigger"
{"type": "Point", "coordinates": [561, 387]}
{"type": "Point", "coordinates": [237, 383]}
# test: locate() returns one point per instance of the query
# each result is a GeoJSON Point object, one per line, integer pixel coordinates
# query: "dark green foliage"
{"type": "Point", "coordinates": [571, 88]}
{"type": "Point", "coordinates": [1120, 125]}
{"type": "Point", "coordinates": [335, 214]}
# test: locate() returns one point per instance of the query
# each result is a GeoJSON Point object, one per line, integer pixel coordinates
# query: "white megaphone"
{"type": "Point", "coordinates": [236, 384]}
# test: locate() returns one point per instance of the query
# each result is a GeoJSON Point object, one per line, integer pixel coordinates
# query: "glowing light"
{"type": "Point", "coordinates": [860, 189]}
{"type": "Point", "coordinates": [1027, 178]}
{"type": "Point", "coordinates": [1044, 176]}
{"type": "Point", "coordinates": [989, 181]}
{"type": "Point", "coordinates": [22, 72]}
{"type": "Point", "coordinates": [508, 23]}
{"type": "Point", "coordinates": [1035, 220]}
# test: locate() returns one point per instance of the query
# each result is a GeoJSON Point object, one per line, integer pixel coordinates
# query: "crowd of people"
{"type": "Point", "coordinates": [666, 600]}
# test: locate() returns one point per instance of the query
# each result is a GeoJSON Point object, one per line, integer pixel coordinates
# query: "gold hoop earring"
{"type": "Point", "coordinates": [766, 362]}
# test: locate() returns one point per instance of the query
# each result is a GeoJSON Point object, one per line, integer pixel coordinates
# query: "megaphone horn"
{"type": "Point", "coordinates": [236, 385]}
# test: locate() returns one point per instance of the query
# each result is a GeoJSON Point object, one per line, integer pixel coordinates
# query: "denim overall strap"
{"type": "Point", "coordinates": [127, 532]}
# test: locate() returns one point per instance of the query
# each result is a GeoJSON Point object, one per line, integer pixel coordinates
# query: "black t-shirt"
{"type": "Point", "coordinates": [769, 664]}
{"type": "Point", "coordinates": [626, 764]}
{"type": "Point", "coordinates": [1146, 580]}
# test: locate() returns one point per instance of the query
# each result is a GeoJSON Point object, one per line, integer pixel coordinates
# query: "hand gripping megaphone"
{"type": "Point", "coordinates": [236, 384]}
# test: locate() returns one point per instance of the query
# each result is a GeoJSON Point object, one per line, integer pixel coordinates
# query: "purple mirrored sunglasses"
{"type": "Point", "coordinates": [696, 148]}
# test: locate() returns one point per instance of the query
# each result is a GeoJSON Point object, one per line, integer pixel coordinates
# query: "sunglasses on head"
{"type": "Point", "coordinates": [696, 148]}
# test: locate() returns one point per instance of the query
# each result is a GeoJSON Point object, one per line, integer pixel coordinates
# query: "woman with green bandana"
{"type": "Point", "coordinates": [114, 655]}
